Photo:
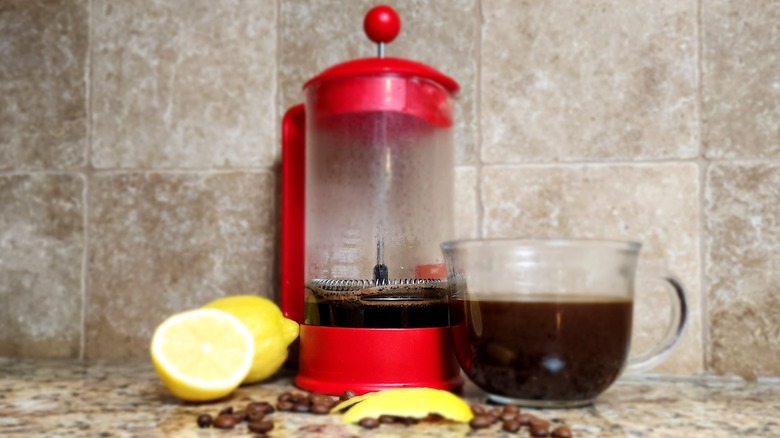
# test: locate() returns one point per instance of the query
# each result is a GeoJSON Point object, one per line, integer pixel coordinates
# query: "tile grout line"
{"type": "Point", "coordinates": [87, 172]}
{"type": "Point", "coordinates": [703, 167]}
{"type": "Point", "coordinates": [478, 103]}
{"type": "Point", "coordinates": [277, 175]}
{"type": "Point", "coordinates": [219, 171]}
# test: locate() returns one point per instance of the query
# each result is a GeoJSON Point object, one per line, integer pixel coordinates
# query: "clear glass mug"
{"type": "Point", "coordinates": [547, 323]}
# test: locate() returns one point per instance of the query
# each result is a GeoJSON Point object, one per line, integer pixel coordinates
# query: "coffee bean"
{"type": "Point", "coordinates": [348, 394]}
{"type": "Point", "coordinates": [409, 421]}
{"type": "Point", "coordinates": [539, 430]}
{"type": "Point", "coordinates": [496, 412]}
{"type": "Point", "coordinates": [204, 421]}
{"type": "Point", "coordinates": [258, 407]}
{"type": "Point", "coordinates": [301, 407]}
{"type": "Point", "coordinates": [266, 408]}
{"type": "Point", "coordinates": [320, 409]}
{"type": "Point", "coordinates": [511, 409]}
{"type": "Point", "coordinates": [524, 419]}
{"type": "Point", "coordinates": [561, 432]}
{"type": "Point", "coordinates": [285, 396]}
{"type": "Point", "coordinates": [539, 422]}
{"type": "Point", "coordinates": [508, 416]}
{"type": "Point", "coordinates": [298, 397]}
{"type": "Point", "coordinates": [477, 410]}
{"type": "Point", "coordinates": [369, 423]}
{"type": "Point", "coordinates": [481, 421]}
{"type": "Point", "coordinates": [511, 426]}
{"type": "Point", "coordinates": [227, 410]}
{"type": "Point", "coordinates": [239, 416]}
{"type": "Point", "coordinates": [254, 417]}
{"type": "Point", "coordinates": [261, 426]}
{"type": "Point", "coordinates": [387, 419]}
{"type": "Point", "coordinates": [225, 421]}
{"type": "Point", "coordinates": [434, 417]}
{"type": "Point", "coordinates": [321, 399]}
{"type": "Point", "coordinates": [285, 406]}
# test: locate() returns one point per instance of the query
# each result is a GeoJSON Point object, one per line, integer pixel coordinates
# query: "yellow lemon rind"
{"type": "Point", "coordinates": [407, 402]}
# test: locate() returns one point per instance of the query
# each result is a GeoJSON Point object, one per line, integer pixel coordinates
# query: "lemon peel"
{"type": "Point", "coordinates": [405, 402]}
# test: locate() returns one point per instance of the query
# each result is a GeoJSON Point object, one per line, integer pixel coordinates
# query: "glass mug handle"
{"type": "Point", "coordinates": [678, 321]}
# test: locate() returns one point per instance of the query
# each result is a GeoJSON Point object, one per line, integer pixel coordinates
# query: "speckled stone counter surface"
{"type": "Point", "coordinates": [41, 398]}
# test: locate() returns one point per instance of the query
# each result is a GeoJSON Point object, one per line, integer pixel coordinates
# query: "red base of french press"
{"type": "Point", "coordinates": [335, 359]}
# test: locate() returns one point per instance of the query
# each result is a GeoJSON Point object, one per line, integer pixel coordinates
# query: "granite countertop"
{"type": "Point", "coordinates": [44, 398]}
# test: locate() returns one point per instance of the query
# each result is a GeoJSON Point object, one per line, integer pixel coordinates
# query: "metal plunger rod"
{"type": "Point", "coordinates": [381, 274]}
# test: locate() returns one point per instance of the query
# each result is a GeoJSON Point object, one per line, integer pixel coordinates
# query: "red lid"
{"type": "Point", "coordinates": [382, 25]}
{"type": "Point", "coordinates": [382, 84]}
{"type": "Point", "coordinates": [385, 66]}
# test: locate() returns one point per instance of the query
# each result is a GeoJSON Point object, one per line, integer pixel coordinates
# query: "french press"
{"type": "Point", "coordinates": [367, 172]}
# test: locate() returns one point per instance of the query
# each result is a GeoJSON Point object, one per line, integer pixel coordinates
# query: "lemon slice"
{"type": "Point", "coordinates": [202, 354]}
{"type": "Point", "coordinates": [271, 331]}
{"type": "Point", "coordinates": [406, 402]}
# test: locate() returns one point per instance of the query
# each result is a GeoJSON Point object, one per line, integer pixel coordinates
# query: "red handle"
{"type": "Point", "coordinates": [293, 209]}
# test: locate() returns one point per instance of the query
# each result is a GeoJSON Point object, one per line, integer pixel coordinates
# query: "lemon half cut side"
{"type": "Point", "coordinates": [202, 354]}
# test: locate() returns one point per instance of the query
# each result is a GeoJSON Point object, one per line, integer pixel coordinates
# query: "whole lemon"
{"type": "Point", "coordinates": [271, 331]}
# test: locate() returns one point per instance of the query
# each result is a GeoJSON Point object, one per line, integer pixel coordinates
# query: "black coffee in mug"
{"type": "Point", "coordinates": [547, 323]}
{"type": "Point", "coordinates": [543, 347]}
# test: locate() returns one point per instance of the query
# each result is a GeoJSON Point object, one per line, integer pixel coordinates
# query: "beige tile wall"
{"type": "Point", "coordinates": [139, 157]}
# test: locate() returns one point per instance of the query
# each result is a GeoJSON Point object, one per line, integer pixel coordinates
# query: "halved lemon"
{"type": "Point", "coordinates": [406, 402]}
{"type": "Point", "coordinates": [202, 354]}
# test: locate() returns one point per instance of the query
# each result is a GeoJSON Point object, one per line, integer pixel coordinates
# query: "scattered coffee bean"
{"type": "Point", "coordinates": [254, 417]}
{"type": "Point", "coordinates": [264, 426]}
{"type": "Point", "coordinates": [204, 420]}
{"type": "Point", "coordinates": [434, 417]}
{"type": "Point", "coordinates": [481, 421]}
{"type": "Point", "coordinates": [477, 410]}
{"type": "Point", "coordinates": [320, 409]}
{"type": "Point", "coordinates": [284, 397]}
{"type": "Point", "coordinates": [524, 419]}
{"type": "Point", "coordinates": [298, 397]}
{"type": "Point", "coordinates": [285, 406]}
{"type": "Point", "coordinates": [227, 410]}
{"type": "Point", "coordinates": [240, 416]}
{"type": "Point", "coordinates": [540, 422]}
{"type": "Point", "coordinates": [511, 426]}
{"type": "Point", "coordinates": [348, 394]}
{"type": "Point", "coordinates": [508, 416]}
{"type": "Point", "coordinates": [369, 423]}
{"type": "Point", "coordinates": [561, 432]}
{"type": "Point", "coordinates": [409, 421]}
{"type": "Point", "coordinates": [267, 407]}
{"type": "Point", "coordinates": [301, 407]}
{"type": "Point", "coordinates": [225, 421]}
{"type": "Point", "coordinates": [539, 430]}
{"type": "Point", "coordinates": [263, 407]}
{"type": "Point", "coordinates": [387, 419]}
{"type": "Point", "coordinates": [511, 409]}
{"type": "Point", "coordinates": [495, 412]}
{"type": "Point", "coordinates": [321, 399]}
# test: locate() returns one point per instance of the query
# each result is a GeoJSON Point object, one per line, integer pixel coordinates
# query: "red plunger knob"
{"type": "Point", "coordinates": [382, 24]}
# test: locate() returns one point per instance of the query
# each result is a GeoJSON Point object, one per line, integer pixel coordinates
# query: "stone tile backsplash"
{"type": "Point", "coordinates": [139, 152]}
